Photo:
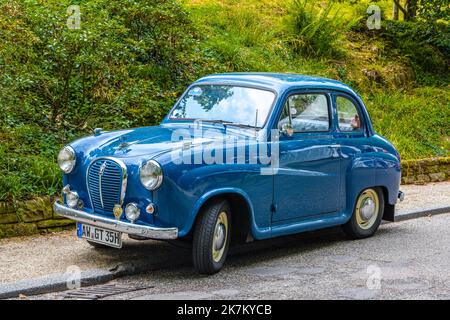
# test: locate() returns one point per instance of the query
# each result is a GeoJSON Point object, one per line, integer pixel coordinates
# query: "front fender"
{"type": "Point", "coordinates": [256, 231]}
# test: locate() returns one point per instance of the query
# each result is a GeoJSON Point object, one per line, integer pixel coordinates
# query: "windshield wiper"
{"type": "Point", "coordinates": [222, 122]}
{"type": "Point", "coordinates": [241, 125]}
{"type": "Point", "coordinates": [215, 121]}
{"type": "Point", "coordinates": [229, 123]}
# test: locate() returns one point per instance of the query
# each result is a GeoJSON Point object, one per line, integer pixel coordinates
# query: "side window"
{"type": "Point", "coordinates": [308, 113]}
{"type": "Point", "coordinates": [348, 115]}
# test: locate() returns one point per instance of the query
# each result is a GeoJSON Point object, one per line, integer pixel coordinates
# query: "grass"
{"type": "Point", "coordinates": [253, 35]}
{"type": "Point", "coordinates": [416, 121]}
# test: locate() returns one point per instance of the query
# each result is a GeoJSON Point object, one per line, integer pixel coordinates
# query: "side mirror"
{"type": "Point", "coordinates": [287, 129]}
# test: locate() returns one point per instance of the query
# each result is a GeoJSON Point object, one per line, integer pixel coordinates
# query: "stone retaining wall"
{"type": "Point", "coordinates": [425, 170]}
{"type": "Point", "coordinates": [30, 217]}
{"type": "Point", "coordinates": [36, 216]}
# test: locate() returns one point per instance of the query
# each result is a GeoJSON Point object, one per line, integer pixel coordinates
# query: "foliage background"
{"type": "Point", "coordinates": [130, 60]}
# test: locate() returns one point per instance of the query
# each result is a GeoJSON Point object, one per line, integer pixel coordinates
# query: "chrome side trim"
{"type": "Point", "coordinates": [124, 178]}
{"type": "Point", "coordinates": [115, 225]}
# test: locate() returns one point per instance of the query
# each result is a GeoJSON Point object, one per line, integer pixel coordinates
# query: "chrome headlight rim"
{"type": "Point", "coordinates": [144, 176]}
{"type": "Point", "coordinates": [72, 159]}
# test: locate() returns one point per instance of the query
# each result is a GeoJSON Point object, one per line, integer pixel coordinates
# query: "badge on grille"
{"type": "Point", "coordinates": [102, 169]}
{"type": "Point", "coordinates": [117, 211]}
{"type": "Point", "coordinates": [100, 175]}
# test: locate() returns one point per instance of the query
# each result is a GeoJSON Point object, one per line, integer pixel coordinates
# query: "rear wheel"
{"type": "Point", "coordinates": [212, 237]}
{"type": "Point", "coordinates": [367, 214]}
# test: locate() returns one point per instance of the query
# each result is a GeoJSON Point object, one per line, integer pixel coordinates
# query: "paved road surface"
{"type": "Point", "coordinates": [40, 255]}
{"type": "Point", "coordinates": [405, 260]}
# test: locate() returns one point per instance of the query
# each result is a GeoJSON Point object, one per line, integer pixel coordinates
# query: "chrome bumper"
{"type": "Point", "coordinates": [115, 225]}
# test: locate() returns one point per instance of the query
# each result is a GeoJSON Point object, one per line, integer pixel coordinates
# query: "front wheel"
{"type": "Point", "coordinates": [212, 237]}
{"type": "Point", "coordinates": [367, 214]}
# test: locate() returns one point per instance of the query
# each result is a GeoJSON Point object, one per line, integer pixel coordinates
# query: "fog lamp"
{"type": "Point", "coordinates": [132, 212]}
{"type": "Point", "coordinates": [72, 199]}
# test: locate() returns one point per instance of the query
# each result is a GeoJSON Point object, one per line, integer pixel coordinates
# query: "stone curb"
{"type": "Point", "coordinates": [58, 282]}
{"type": "Point", "coordinates": [52, 283]}
{"type": "Point", "coordinates": [419, 214]}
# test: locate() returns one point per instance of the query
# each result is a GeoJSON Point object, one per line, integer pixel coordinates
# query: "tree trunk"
{"type": "Point", "coordinates": [394, 11]}
{"type": "Point", "coordinates": [403, 10]}
{"type": "Point", "coordinates": [411, 9]}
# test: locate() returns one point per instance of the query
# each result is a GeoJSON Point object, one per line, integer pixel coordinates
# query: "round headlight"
{"type": "Point", "coordinates": [67, 159]}
{"type": "Point", "coordinates": [132, 212]}
{"type": "Point", "coordinates": [72, 199]}
{"type": "Point", "coordinates": [151, 175]}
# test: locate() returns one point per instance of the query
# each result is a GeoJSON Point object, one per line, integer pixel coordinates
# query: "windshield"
{"type": "Point", "coordinates": [225, 103]}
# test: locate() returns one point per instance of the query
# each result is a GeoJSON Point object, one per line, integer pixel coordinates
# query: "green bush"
{"type": "Point", "coordinates": [425, 44]}
{"type": "Point", "coordinates": [124, 67]}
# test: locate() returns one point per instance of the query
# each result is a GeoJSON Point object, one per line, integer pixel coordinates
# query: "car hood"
{"type": "Point", "coordinates": [151, 141]}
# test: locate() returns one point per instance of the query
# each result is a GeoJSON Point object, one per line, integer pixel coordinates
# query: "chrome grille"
{"type": "Point", "coordinates": [105, 179]}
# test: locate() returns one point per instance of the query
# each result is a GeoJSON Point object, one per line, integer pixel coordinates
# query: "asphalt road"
{"type": "Point", "coordinates": [404, 260]}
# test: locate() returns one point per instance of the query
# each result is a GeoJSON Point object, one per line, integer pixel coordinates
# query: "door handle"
{"type": "Point", "coordinates": [335, 148]}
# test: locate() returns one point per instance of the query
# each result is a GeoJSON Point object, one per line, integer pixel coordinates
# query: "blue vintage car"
{"type": "Point", "coordinates": [240, 156]}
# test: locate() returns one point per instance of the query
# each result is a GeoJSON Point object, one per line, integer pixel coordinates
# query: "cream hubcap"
{"type": "Point", "coordinates": [367, 209]}
{"type": "Point", "coordinates": [220, 236]}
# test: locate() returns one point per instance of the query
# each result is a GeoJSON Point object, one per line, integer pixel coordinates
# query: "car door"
{"type": "Point", "coordinates": [308, 179]}
{"type": "Point", "coordinates": [357, 165]}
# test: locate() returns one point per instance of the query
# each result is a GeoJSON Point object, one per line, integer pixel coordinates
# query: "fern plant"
{"type": "Point", "coordinates": [317, 32]}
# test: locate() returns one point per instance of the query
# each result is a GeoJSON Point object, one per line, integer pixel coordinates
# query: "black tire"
{"type": "Point", "coordinates": [353, 229]}
{"type": "Point", "coordinates": [202, 247]}
{"type": "Point", "coordinates": [98, 245]}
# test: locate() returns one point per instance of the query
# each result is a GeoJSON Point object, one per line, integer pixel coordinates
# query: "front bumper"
{"type": "Point", "coordinates": [115, 225]}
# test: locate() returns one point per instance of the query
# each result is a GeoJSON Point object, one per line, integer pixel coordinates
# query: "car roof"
{"type": "Point", "coordinates": [276, 81]}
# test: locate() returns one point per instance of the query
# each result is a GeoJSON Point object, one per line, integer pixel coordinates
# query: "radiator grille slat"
{"type": "Point", "coordinates": [106, 187]}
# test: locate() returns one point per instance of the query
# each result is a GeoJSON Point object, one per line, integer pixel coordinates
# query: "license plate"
{"type": "Point", "coordinates": [103, 236]}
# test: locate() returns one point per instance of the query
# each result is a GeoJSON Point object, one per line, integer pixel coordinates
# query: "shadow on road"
{"type": "Point", "coordinates": [164, 257]}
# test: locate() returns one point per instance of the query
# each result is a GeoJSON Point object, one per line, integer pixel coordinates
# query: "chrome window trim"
{"type": "Point", "coordinates": [124, 178]}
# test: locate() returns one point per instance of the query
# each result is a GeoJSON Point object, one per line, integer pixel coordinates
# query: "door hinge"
{"type": "Point", "coordinates": [273, 207]}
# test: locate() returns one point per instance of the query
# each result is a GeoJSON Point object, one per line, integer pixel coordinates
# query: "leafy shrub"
{"type": "Point", "coordinates": [427, 46]}
{"type": "Point", "coordinates": [434, 10]}
{"type": "Point", "coordinates": [124, 67]}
